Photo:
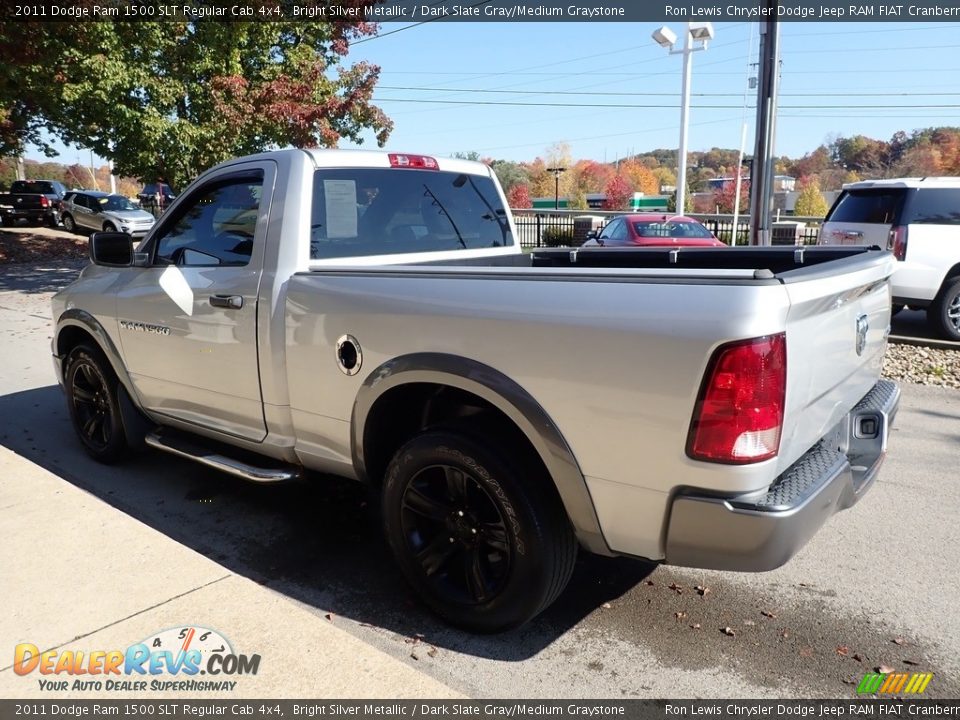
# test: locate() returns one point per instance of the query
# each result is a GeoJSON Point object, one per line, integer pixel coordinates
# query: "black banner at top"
{"type": "Point", "coordinates": [409, 11]}
{"type": "Point", "coordinates": [471, 709]}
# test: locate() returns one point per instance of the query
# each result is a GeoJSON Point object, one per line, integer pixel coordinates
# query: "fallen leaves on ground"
{"type": "Point", "coordinates": [884, 669]}
{"type": "Point", "coordinates": [702, 590]}
{"type": "Point", "coordinates": [858, 657]}
{"type": "Point", "coordinates": [606, 606]}
{"type": "Point", "coordinates": [27, 247]}
{"type": "Point", "coordinates": [843, 650]}
{"type": "Point", "coordinates": [695, 626]}
{"type": "Point", "coordinates": [768, 614]}
{"type": "Point", "coordinates": [678, 589]}
{"type": "Point", "coordinates": [679, 615]}
{"type": "Point", "coordinates": [729, 631]}
{"type": "Point", "coordinates": [899, 641]}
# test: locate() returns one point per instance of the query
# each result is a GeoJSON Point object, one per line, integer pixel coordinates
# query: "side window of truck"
{"type": "Point", "coordinates": [214, 227]}
{"type": "Point", "coordinates": [935, 206]}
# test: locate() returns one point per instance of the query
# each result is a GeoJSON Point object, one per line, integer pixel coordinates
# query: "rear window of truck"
{"type": "Point", "coordinates": [34, 188]}
{"type": "Point", "coordinates": [373, 211]}
{"type": "Point", "coordinates": [872, 206]}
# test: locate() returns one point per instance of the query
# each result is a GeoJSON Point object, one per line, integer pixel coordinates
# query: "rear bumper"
{"type": "Point", "coordinates": [758, 532]}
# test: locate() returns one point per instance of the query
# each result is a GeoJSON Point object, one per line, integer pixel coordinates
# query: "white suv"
{"type": "Point", "coordinates": [918, 219]}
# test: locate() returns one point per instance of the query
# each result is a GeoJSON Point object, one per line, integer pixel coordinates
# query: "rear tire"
{"type": "Point", "coordinates": [484, 541]}
{"type": "Point", "coordinates": [68, 224]}
{"type": "Point", "coordinates": [91, 388]}
{"type": "Point", "coordinates": [944, 312]}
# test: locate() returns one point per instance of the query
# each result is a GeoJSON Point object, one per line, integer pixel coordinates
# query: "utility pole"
{"type": "Point", "coordinates": [762, 171]}
{"type": "Point", "coordinates": [556, 185]}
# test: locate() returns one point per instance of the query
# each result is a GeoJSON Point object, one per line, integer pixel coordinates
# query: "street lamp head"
{"type": "Point", "coordinates": [664, 37]}
{"type": "Point", "coordinates": [701, 31]}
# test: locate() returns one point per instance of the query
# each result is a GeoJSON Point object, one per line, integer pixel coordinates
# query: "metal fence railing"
{"type": "Point", "coordinates": [547, 228]}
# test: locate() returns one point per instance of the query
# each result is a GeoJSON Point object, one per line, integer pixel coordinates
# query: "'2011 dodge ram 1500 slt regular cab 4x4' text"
{"type": "Point", "coordinates": [371, 315]}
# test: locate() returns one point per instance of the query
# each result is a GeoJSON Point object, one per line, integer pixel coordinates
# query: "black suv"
{"type": "Point", "coordinates": [156, 196]}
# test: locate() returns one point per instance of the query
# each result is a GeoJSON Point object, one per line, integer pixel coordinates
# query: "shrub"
{"type": "Point", "coordinates": [554, 236]}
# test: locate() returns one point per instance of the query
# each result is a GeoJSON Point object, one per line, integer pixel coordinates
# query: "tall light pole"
{"type": "Point", "coordinates": [556, 185]}
{"type": "Point", "coordinates": [696, 37]}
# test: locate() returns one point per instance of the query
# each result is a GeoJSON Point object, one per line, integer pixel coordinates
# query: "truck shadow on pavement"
{"type": "Point", "coordinates": [39, 277]}
{"type": "Point", "coordinates": [317, 541]}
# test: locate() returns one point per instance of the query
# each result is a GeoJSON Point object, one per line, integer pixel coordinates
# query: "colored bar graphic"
{"type": "Point", "coordinates": [894, 683]}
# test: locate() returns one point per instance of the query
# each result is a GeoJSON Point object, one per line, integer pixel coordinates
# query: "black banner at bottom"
{"type": "Point", "coordinates": [476, 709]}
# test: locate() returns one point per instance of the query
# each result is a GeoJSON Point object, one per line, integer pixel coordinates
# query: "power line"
{"type": "Point", "coordinates": [652, 106]}
{"type": "Point", "coordinates": [885, 93]}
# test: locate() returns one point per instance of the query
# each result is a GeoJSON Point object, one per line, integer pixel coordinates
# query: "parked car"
{"type": "Point", "coordinates": [918, 219]}
{"type": "Point", "coordinates": [37, 201]}
{"type": "Point", "coordinates": [94, 210]}
{"type": "Point", "coordinates": [371, 315]}
{"type": "Point", "coordinates": [648, 230]}
{"type": "Point", "coordinates": [156, 195]}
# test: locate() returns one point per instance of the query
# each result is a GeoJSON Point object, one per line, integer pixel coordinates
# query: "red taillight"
{"type": "Point", "coordinates": [422, 162]}
{"type": "Point", "coordinates": [897, 242]}
{"type": "Point", "coordinates": [44, 202]}
{"type": "Point", "coordinates": [739, 413]}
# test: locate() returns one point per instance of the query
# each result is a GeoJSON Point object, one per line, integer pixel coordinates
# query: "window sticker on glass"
{"type": "Point", "coordinates": [341, 206]}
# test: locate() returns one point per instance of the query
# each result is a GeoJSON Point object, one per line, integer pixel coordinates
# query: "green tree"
{"type": "Point", "coordinates": [170, 99]}
{"type": "Point", "coordinates": [810, 202]}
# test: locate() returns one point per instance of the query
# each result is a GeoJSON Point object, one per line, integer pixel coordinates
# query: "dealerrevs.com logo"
{"type": "Point", "coordinates": [189, 659]}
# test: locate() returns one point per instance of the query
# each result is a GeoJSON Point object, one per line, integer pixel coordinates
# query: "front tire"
{"type": "Point", "coordinates": [109, 227]}
{"type": "Point", "coordinates": [944, 312]}
{"type": "Point", "coordinates": [483, 540]}
{"type": "Point", "coordinates": [91, 388]}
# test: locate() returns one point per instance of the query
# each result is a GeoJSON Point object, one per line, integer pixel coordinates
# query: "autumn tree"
{"type": "Point", "coordinates": [810, 201]}
{"type": "Point", "coordinates": [724, 197]}
{"type": "Point", "coordinates": [590, 176]}
{"type": "Point", "coordinates": [640, 177]}
{"type": "Point", "coordinates": [170, 99]}
{"type": "Point", "coordinates": [519, 197]}
{"type": "Point", "coordinates": [618, 191]}
{"type": "Point", "coordinates": [510, 174]}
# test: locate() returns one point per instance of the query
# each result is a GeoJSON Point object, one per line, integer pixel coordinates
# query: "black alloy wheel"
{"type": "Point", "coordinates": [457, 533]}
{"type": "Point", "coordinates": [477, 528]}
{"type": "Point", "coordinates": [92, 397]}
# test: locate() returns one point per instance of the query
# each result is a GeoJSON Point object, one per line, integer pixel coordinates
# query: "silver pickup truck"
{"type": "Point", "coordinates": [371, 315]}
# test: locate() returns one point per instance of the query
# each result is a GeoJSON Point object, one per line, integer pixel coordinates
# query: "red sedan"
{"type": "Point", "coordinates": [649, 230]}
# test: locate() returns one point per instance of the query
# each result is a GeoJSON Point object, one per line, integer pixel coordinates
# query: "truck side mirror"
{"type": "Point", "coordinates": [111, 249]}
{"type": "Point", "coordinates": [591, 234]}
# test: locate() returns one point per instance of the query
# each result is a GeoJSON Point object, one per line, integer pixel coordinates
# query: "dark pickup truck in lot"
{"type": "Point", "coordinates": [37, 201]}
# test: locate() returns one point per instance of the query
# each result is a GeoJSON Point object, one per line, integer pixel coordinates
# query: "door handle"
{"type": "Point", "coordinates": [233, 302]}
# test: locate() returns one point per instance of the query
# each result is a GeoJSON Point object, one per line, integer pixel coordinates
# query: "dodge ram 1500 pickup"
{"type": "Point", "coordinates": [371, 315]}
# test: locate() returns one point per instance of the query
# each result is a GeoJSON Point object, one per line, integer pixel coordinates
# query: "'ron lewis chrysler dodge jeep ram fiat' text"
{"type": "Point", "coordinates": [371, 315]}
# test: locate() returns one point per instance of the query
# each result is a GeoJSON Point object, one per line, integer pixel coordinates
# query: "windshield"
{"type": "Point", "coordinates": [116, 202]}
{"type": "Point", "coordinates": [367, 211]}
{"type": "Point", "coordinates": [671, 229]}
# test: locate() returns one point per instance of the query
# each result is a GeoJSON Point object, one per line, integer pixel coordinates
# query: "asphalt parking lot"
{"type": "Point", "coordinates": [876, 587]}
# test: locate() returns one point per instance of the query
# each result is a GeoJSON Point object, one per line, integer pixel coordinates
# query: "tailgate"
{"type": "Point", "coordinates": [837, 329]}
{"type": "Point", "coordinates": [850, 233]}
